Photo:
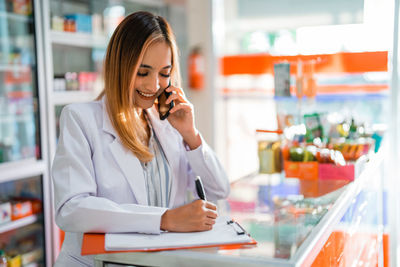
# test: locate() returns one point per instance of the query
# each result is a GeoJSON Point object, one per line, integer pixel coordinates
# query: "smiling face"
{"type": "Point", "coordinates": [153, 74]}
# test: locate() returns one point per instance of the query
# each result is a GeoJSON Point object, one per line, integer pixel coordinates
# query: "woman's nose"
{"type": "Point", "coordinates": [153, 84]}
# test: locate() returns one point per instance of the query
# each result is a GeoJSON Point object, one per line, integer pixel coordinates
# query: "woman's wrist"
{"type": "Point", "coordinates": [192, 139]}
{"type": "Point", "coordinates": [164, 221]}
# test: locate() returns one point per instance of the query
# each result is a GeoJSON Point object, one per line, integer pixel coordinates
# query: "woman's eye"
{"type": "Point", "coordinates": [165, 75]}
{"type": "Point", "coordinates": [142, 74]}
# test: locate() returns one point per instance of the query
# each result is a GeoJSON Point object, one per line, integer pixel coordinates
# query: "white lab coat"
{"type": "Point", "coordinates": [99, 185]}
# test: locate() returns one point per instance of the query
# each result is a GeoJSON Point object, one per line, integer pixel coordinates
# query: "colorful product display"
{"type": "Point", "coordinates": [317, 153]}
{"type": "Point", "coordinates": [79, 23]}
{"type": "Point", "coordinates": [74, 81]}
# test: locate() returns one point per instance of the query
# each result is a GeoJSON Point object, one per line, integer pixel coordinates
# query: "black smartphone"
{"type": "Point", "coordinates": [164, 108]}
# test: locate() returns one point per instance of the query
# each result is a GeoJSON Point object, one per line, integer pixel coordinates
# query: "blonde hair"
{"type": "Point", "coordinates": [124, 54]}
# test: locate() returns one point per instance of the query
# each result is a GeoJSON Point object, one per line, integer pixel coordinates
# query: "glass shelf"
{"type": "Point", "coordinates": [63, 98]}
{"type": "Point", "coordinates": [13, 225]}
{"type": "Point", "coordinates": [78, 39]}
{"type": "Point", "coordinates": [16, 17]}
{"type": "Point", "coordinates": [15, 68]}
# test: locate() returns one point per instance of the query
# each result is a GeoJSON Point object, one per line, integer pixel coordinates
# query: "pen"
{"type": "Point", "coordinates": [200, 189]}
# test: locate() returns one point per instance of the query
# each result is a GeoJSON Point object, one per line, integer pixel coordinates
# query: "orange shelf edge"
{"type": "Point", "coordinates": [344, 62]}
{"type": "Point", "coordinates": [340, 246]}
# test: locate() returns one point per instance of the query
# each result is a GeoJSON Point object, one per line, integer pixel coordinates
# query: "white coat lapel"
{"type": "Point", "coordinates": [170, 145]}
{"type": "Point", "coordinates": [129, 164]}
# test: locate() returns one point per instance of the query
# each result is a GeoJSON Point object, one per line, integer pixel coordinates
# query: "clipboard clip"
{"type": "Point", "coordinates": [238, 228]}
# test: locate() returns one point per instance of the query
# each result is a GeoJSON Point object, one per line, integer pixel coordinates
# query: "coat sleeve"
{"type": "Point", "coordinates": [203, 162]}
{"type": "Point", "coordinates": [77, 207]}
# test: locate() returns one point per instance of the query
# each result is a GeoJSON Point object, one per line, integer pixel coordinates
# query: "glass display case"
{"type": "Point", "coordinates": [22, 232]}
{"type": "Point", "coordinates": [303, 222]}
{"type": "Point", "coordinates": [19, 115]}
{"type": "Point", "coordinates": [24, 192]}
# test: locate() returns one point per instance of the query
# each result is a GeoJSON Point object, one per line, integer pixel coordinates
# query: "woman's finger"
{"type": "Point", "coordinates": [173, 97]}
{"type": "Point", "coordinates": [209, 221]}
{"type": "Point", "coordinates": [211, 214]}
{"type": "Point", "coordinates": [211, 206]}
{"type": "Point", "coordinates": [181, 106]}
{"type": "Point", "coordinates": [177, 90]}
{"type": "Point", "coordinates": [174, 88]}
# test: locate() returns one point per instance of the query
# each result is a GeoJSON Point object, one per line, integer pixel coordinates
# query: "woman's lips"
{"type": "Point", "coordinates": [146, 95]}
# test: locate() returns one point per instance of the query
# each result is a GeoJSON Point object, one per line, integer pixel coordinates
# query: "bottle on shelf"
{"type": "Point", "coordinates": [3, 259]}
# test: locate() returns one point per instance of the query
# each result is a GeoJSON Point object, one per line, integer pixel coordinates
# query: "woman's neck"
{"type": "Point", "coordinates": [140, 113]}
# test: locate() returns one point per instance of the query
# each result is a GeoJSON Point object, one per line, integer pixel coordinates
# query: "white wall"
{"type": "Point", "coordinates": [199, 28]}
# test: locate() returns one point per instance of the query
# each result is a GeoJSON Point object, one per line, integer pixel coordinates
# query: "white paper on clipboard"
{"type": "Point", "coordinates": [221, 234]}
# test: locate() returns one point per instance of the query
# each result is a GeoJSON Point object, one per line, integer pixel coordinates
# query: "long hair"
{"type": "Point", "coordinates": [124, 54]}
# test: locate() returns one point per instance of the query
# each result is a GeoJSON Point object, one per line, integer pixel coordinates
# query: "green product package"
{"type": "Point", "coordinates": [314, 127]}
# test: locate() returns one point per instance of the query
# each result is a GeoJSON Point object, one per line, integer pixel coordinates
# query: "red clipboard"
{"type": "Point", "coordinates": [95, 244]}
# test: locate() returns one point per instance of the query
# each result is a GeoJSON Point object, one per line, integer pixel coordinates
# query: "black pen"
{"type": "Point", "coordinates": [200, 189]}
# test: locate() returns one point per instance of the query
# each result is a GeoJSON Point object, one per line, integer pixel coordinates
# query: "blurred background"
{"type": "Point", "coordinates": [289, 93]}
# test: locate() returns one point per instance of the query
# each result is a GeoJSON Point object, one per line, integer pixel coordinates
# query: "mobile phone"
{"type": "Point", "coordinates": [164, 108]}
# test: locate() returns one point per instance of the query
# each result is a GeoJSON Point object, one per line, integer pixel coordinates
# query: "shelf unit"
{"type": "Point", "coordinates": [339, 88]}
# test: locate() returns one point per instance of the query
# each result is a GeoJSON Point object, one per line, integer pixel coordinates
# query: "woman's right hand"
{"type": "Point", "coordinates": [197, 216]}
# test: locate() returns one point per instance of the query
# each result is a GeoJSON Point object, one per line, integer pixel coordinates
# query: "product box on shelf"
{"type": "Point", "coordinates": [20, 209]}
{"type": "Point", "coordinates": [22, 7]}
{"type": "Point", "coordinates": [35, 203]}
{"type": "Point", "coordinates": [314, 170]}
{"type": "Point", "coordinates": [282, 79]}
{"type": "Point", "coordinates": [333, 172]}
{"type": "Point", "coordinates": [269, 151]}
{"type": "Point", "coordinates": [302, 170]}
{"type": "Point", "coordinates": [14, 261]}
{"type": "Point", "coordinates": [87, 80]}
{"type": "Point", "coordinates": [5, 212]}
{"type": "Point", "coordinates": [83, 22]}
{"type": "Point", "coordinates": [31, 257]}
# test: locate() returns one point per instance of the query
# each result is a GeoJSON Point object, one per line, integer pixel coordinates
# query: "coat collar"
{"type": "Point", "coordinates": [129, 163]}
{"type": "Point", "coordinates": [107, 126]}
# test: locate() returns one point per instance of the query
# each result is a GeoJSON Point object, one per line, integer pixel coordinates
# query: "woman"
{"type": "Point", "coordinates": [118, 167]}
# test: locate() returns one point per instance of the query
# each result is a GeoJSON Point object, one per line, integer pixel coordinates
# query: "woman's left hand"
{"type": "Point", "coordinates": [182, 117]}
